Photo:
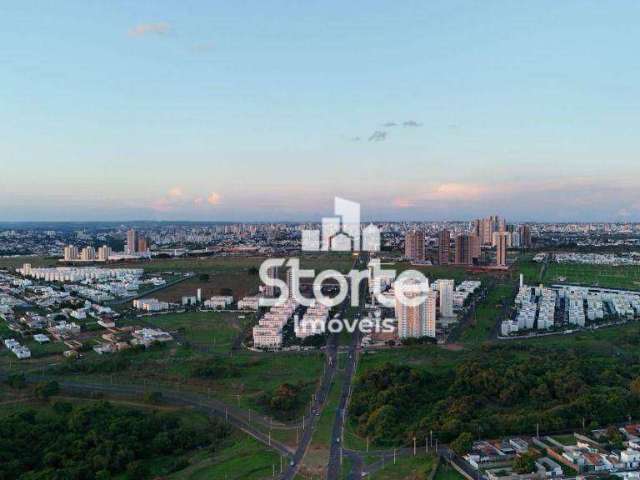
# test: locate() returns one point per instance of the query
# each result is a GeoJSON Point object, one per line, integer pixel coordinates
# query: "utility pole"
{"type": "Point", "coordinates": [414, 446]}
{"type": "Point", "coordinates": [394, 456]}
{"type": "Point", "coordinates": [426, 445]}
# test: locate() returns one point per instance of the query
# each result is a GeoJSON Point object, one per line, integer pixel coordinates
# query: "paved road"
{"type": "Point", "coordinates": [337, 435]}
{"type": "Point", "coordinates": [331, 364]}
{"type": "Point", "coordinates": [207, 405]}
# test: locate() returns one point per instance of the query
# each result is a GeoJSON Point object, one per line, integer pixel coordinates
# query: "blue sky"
{"type": "Point", "coordinates": [264, 110]}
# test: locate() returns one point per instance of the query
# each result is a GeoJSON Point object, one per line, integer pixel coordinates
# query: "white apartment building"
{"type": "Point", "coordinates": [249, 303]}
{"type": "Point", "coordinates": [445, 290]}
{"type": "Point", "coordinates": [416, 320]}
{"type": "Point", "coordinates": [268, 332]}
{"type": "Point", "coordinates": [313, 321]}
{"type": "Point", "coordinates": [150, 305]}
{"type": "Point", "coordinates": [219, 301]}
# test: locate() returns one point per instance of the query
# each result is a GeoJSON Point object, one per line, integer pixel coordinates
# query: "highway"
{"type": "Point", "coordinates": [230, 415]}
{"type": "Point", "coordinates": [337, 436]}
{"type": "Point", "coordinates": [331, 364]}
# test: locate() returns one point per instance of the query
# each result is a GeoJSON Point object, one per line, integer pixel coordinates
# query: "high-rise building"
{"type": "Point", "coordinates": [430, 310]}
{"type": "Point", "coordinates": [88, 254]}
{"type": "Point", "coordinates": [467, 249]}
{"type": "Point", "coordinates": [104, 252]}
{"type": "Point", "coordinates": [70, 253]}
{"type": "Point", "coordinates": [501, 249]}
{"type": "Point", "coordinates": [525, 236]}
{"type": "Point", "coordinates": [445, 289]}
{"type": "Point", "coordinates": [414, 245]}
{"type": "Point", "coordinates": [143, 245]}
{"type": "Point", "coordinates": [485, 227]}
{"type": "Point", "coordinates": [132, 241]}
{"type": "Point", "coordinates": [475, 247]}
{"type": "Point", "coordinates": [494, 241]}
{"type": "Point", "coordinates": [444, 244]}
{"type": "Point", "coordinates": [292, 284]}
{"type": "Point", "coordinates": [416, 320]}
{"type": "Point", "coordinates": [270, 290]}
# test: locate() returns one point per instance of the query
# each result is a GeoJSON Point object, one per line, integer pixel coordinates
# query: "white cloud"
{"type": "Point", "coordinates": [214, 198]}
{"type": "Point", "coordinates": [143, 29]}
{"type": "Point", "coordinates": [176, 192]}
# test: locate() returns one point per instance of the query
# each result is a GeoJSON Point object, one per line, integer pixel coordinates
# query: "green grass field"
{"type": "Point", "coordinates": [447, 472]}
{"type": "Point", "coordinates": [434, 272]}
{"type": "Point", "coordinates": [240, 457]}
{"type": "Point", "coordinates": [530, 269]}
{"type": "Point", "coordinates": [406, 468]}
{"type": "Point", "coordinates": [488, 313]}
{"type": "Point", "coordinates": [15, 262]}
{"type": "Point", "coordinates": [594, 275]}
{"type": "Point", "coordinates": [214, 330]}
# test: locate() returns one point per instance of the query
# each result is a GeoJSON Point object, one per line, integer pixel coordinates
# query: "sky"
{"type": "Point", "coordinates": [265, 110]}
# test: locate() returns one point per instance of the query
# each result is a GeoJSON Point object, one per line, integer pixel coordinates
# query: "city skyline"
{"type": "Point", "coordinates": [230, 113]}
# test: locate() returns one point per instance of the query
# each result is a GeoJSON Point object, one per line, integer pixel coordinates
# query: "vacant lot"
{"type": "Point", "coordinates": [594, 275]}
{"type": "Point", "coordinates": [14, 262]}
{"type": "Point", "coordinates": [237, 276]}
{"type": "Point", "coordinates": [214, 330]}
{"type": "Point", "coordinates": [239, 457]}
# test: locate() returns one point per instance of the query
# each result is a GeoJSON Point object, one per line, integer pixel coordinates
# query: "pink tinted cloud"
{"type": "Point", "coordinates": [159, 28]}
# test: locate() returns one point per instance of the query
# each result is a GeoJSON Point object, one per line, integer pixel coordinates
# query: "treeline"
{"type": "Point", "coordinates": [284, 401]}
{"type": "Point", "coordinates": [499, 390]}
{"type": "Point", "coordinates": [97, 441]}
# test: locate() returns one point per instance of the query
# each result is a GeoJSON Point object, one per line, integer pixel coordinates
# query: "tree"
{"type": "Point", "coordinates": [137, 471]}
{"type": "Point", "coordinates": [635, 386]}
{"type": "Point", "coordinates": [463, 443]}
{"type": "Point", "coordinates": [16, 380]}
{"type": "Point", "coordinates": [253, 271]}
{"type": "Point", "coordinates": [153, 397]}
{"type": "Point", "coordinates": [204, 277]}
{"type": "Point", "coordinates": [46, 389]}
{"type": "Point", "coordinates": [525, 463]}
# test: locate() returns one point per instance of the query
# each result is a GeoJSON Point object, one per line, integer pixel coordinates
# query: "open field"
{"type": "Point", "coordinates": [214, 330]}
{"type": "Point", "coordinates": [423, 356]}
{"type": "Point", "coordinates": [15, 262]}
{"type": "Point", "coordinates": [488, 313]}
{"type": "Point", "coordinates": [239, 379]}
{"type": "Point", "coordinates": [239, 457]}
{"type": "Point", "coordinates": [447, 472]}
{"type": "Point", "coordinates": [237, 284]}
{"type": "Point", "coordinates": [406, 468]}
{"type": "Point", "coordinates": [530, 269]}
{"type": "Point", "coordinates": [626, 277]}
{"type": "Point", "coordinates": [434, 272]}
{"type": "Point", "coordinates": [235, 274]}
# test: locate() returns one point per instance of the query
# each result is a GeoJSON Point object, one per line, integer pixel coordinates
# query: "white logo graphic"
{"type": "Point", "coordinates": [341, 233]}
